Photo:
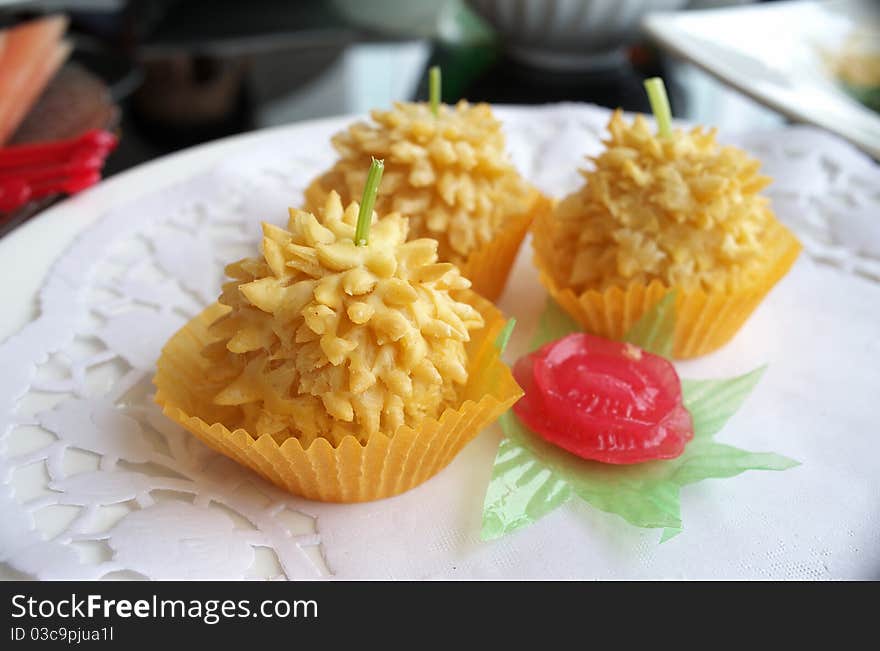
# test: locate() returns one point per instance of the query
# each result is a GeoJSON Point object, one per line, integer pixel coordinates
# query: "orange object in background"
{"type": "Point", "coordinates": [30, 55]}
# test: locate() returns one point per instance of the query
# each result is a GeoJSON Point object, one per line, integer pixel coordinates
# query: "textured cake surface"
{"type": "Point", "coordinates": [682, 209]}
{"type": "Point", "coordinates": [449, 174]}
{"type": "Point", "coordinates": [327, 339]}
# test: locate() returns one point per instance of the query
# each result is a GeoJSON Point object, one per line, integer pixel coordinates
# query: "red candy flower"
{"type": "Point", "coordinates": [603, 400]}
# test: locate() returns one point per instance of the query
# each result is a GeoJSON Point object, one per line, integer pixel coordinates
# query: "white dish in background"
{"type": "Point", "coordinates": [569, 34]}
{"type": "Point", "coordinates": [774, 54]}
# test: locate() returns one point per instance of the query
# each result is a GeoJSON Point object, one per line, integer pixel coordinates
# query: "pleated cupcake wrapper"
{"type": "Point", "coordinates": [487, 267]}
{"type": "Point", "coordinates": [351, 472]}
{"type": "Point", "coordinates": [704, 322]}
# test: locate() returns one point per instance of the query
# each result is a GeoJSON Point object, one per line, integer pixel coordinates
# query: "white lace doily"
{"type": "Point", "coordinates": [95, 482]}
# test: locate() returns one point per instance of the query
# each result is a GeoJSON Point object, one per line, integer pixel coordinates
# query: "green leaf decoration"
{"type": "Point", "coordinates": [713, 402]}
{"type": "Point", "coordinates": [655, 331]}
{"type": "Point", "coordinates": [532, 477]}
{"type": "Point", "coordinates": [554, 323]}
{"type": "Point", "coordinates": [503, 337]}
{"type": "Point", "coordinates": [669, 533]}
{"type": "Point", "coordinates": [522, 489]}
{"type": "Point", "coordinates": [712, 460]}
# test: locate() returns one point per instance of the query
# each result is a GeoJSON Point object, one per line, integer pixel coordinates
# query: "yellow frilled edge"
{"type": "Point", "coordinates": [488, 266]}
{"type": "Point", "coordinates": [705, 321]}
{"type": "Point", "coordinates": [351, 472]}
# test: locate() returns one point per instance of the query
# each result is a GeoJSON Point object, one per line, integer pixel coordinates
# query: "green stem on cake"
{"type": "Point", "coordinates": [434, 87]}
{"type": "Point", "coordinates": [659, 105]}
{"type": "Point", "coordinates": [365, 214]}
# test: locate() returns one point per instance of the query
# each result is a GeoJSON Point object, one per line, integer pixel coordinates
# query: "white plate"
{"type": "Point", "coordinates": [774, 54]}
{"type": "Point", "coordinates": [117, 287]}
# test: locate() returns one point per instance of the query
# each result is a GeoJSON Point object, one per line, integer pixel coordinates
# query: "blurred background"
{"type": "Point", "coordinates": [173, 73]}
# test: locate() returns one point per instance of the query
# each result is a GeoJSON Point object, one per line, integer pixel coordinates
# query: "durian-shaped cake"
{"type": "Point", "coordinates": [671, 211]}
{"type": "Point", "coordinates": [680, 209]}
{"type": "Point", "coordinates": [326, 338]}
{"type": "Point", "coordinates": [450, 174]}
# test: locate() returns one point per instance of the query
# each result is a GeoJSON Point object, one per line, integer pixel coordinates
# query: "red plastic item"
{"type": "Point", "coordinates": [13, 194]}
{"type": "Point", "coordinates": [30, 172]}
{"type": "Point", "coordinates": [603, 400]}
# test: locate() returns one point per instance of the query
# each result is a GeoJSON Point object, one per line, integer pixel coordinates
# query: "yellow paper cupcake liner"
{"type": "Point", "coordinates": [487, 267]}
{"type": "Point", "coordinates": [351, 472]}
{"type": "Point", "coordinates": [705, 321]}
